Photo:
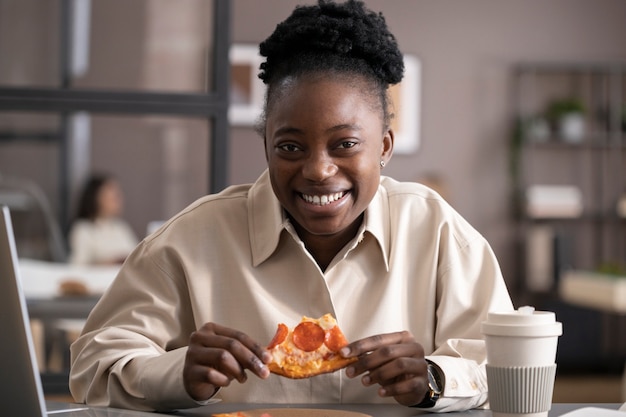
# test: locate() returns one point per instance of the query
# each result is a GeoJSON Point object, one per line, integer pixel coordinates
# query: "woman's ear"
{"type": "Point", "coordinates": [387, 146]}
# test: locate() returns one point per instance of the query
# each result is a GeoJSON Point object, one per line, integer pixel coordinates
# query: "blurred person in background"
{"type": "Point", "coordinates": [99, 235]}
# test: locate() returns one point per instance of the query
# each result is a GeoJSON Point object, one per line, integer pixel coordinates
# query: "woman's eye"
{"type": "Point", "coordinates": [288, 147]}
{"type": "Point", "coordinates": [347, 144]}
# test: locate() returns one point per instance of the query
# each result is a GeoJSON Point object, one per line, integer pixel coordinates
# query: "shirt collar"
{"type": "Point", "coordinates": [378, 224]}
{"type": "Point", "coordinates": [267, 220]}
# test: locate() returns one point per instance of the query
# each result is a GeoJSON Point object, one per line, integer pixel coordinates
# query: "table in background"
{"type": "Point", "coordinates": [56, 318]}
{"type": "Point", "coordinates": [70, 307]}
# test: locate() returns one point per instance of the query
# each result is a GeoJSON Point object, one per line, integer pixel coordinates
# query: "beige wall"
{"type": "Point", "coordinates": [467, 50]}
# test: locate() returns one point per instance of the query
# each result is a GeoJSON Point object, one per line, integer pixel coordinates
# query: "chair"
{"type": "Point", "coordinates": [37, 232]}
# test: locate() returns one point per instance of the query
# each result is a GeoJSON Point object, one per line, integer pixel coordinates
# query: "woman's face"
{"type": "Point", "coordinates": [110, 200]}
{"type": "Point", "coordinates": [324, 141]}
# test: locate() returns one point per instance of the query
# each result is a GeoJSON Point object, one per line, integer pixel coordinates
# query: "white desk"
{"type": "Point", "coordinates": [373, 410]}
{"type": "Point", "coordinates": [42, 280]}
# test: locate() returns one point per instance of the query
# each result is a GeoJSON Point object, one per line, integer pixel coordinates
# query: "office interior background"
{"type": "Point", "coordinates": [150, 75]}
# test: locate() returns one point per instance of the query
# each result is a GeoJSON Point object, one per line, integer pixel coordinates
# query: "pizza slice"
{"type": "Point", "coordinates": [310, 348]}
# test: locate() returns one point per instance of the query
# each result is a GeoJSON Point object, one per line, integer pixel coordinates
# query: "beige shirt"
{"type": "Point", "coordinates": [234, 258]}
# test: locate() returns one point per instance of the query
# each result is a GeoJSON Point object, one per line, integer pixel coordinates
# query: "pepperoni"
{"type": "Point", "coordinates": [280, 336]}
{"type": "Point", "coordinates": [335, 339]}
{"type": "Point", "coordinates": [308, 336]}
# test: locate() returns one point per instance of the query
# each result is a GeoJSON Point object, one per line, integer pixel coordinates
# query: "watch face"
{"type": "Point", "coordinates": [434, 388]}
{"type": "Point", "coordinates": [433, 383]}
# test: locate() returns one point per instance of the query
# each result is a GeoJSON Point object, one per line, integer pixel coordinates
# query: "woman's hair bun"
{"type": "Point", "coordinates": [329, 35]}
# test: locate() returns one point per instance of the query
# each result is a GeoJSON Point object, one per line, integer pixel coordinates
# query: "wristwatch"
{"type": "Point", "coordinates": [435, 387]}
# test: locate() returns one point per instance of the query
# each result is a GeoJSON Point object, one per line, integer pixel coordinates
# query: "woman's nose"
{"type": "Point", "coordinates": [319, 167]}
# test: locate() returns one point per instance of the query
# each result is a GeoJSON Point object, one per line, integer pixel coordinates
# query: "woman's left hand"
{"type": "Point", "coordinates": [395, 361]}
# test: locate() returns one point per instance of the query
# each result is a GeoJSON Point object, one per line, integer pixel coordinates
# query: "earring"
{"type": "Point", "coordinates": [382, 164]}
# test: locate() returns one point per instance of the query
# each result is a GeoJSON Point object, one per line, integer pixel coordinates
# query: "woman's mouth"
{"type": "Point", "coordinates": [324, 199]}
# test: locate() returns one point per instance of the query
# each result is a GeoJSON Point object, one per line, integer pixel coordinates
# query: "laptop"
{"type": "Point", "coordinates": [21, 391]}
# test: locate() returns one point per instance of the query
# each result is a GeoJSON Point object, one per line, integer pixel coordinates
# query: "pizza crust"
{"type": "Point", "coordinates": [301, 372]}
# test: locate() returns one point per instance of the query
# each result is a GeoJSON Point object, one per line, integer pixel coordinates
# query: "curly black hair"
{"type": "Point", "coordinates": [342, 38]}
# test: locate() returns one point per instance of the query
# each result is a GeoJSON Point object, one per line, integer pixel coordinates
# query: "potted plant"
{"type": "Point", "coordinates": [567, 118]}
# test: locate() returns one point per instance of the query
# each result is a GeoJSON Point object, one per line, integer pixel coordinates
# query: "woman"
{"type": "Point", "coordinates": [321, 231]}
{"type": "Point", "coordinates": [99, 236]}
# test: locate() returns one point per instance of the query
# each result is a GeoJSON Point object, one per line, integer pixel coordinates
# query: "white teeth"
{"type": "Point", "coordinates": [322, 200]}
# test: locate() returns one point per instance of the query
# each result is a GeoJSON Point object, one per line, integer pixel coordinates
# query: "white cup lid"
{"type": "Point", "coordinates": [525, 322]}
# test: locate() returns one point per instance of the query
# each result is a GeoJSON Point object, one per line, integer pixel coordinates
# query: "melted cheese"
{"type": "Point", "coordinates": [287, 355]}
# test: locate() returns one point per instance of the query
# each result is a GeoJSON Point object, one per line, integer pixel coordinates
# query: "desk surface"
{"type": "Point", "coordinates": [42, 279]}
{"type": "Point", "coordinates": [375, 410]}
{"type": "Point", "coordinates": [41, 282]}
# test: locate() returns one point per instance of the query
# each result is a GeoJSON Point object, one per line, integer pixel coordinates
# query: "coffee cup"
{"type": "Point", "coordinates": [521, 352]}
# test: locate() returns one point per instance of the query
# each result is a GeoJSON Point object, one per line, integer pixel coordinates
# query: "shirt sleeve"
{"type": "Point", "coordinates": [132, 350]}
{"type": "Point", "coordinates": [470, 285]}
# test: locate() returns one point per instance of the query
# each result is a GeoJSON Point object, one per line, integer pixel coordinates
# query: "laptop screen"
{"type": "Point", "coordinates": [22, 392]}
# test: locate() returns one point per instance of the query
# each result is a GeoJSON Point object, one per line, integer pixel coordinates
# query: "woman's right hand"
{"type": "Point", "coordinates": [217, 355]}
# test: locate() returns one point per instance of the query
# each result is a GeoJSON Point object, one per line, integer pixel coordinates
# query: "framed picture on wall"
{"type": "Point", "coordinates": [246, 89]}
{"type": "Point", "coordinates": [406, 97]}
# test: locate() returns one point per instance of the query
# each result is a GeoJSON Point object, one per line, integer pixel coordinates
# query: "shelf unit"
{"type": "Point", "coordinates": [590, 234]}
{"type": "Point", "coordinates": [594, 163]}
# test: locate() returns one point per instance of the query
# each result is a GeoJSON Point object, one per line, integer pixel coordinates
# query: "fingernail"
{"type": "Point", "coordinates": [350, 371]}
{"type": "Point", "coordinates": [265, 372]}
{"type": "Point", "coordinates": [367, 380]}
{"type": "Point", "coordinates": [266, 357]}
{"type": "Point", "coordinates": [382, 392]}
{"type": "Point", "coordinates": [344, 351]}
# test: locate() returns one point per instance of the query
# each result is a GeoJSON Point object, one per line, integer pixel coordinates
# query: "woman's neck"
{"type": "Point", "coordinates": [324, 248]}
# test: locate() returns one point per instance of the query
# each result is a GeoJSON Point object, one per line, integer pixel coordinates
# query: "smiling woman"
{"type": "Point", "coordinates": [321, 231]}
